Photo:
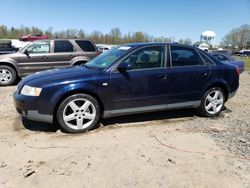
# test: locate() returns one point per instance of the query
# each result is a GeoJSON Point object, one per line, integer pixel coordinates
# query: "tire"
{"type": "Point", "coordinates": [71, 113]}
{"type": "Point", "coordinates": [212, 102]}
{"type": "Point", "coordinates": [8, 75]}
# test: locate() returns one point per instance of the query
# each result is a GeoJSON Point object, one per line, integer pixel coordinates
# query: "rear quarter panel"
{"type": "Point", "coordinates": [223, 75]}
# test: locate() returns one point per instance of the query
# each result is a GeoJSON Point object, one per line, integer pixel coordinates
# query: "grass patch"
{"type": "Point", "coordinates": [247, 62]}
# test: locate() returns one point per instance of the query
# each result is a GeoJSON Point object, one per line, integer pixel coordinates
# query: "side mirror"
{"type": "Point", "coordinates": [124, 66]}
{"type": "Point", "coordinates": [26, 52]}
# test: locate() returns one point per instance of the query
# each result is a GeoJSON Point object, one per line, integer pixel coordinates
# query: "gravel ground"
{"type": "Point", "coordinates": [161, 149]}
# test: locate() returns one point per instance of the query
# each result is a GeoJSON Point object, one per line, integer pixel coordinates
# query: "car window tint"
{"type": "Point", "coordinates": [220, 57]}
{"type": "Point", "coordinates": [150, 57]}
{"type": "Point", "coordinates": [39, 48]}
{"type": "Point", "coordinates": [63, 46]}
{"type": "Point", "coordinates": [183, 56]}
{"type": "Point", "coordinates": [86, 46]}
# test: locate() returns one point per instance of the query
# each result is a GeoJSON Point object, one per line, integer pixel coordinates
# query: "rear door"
{"type": "Point", "coordinates": [63, 52]}
{"type": "Point", "coordinates": [187, 76]}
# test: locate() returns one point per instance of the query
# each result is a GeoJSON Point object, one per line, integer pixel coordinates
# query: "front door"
{"type": "Point", "coordinates": [142, 86]}
{"type": "Point", "coordinates": [36, 59]}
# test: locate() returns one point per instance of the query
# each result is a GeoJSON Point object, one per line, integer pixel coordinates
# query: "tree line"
{"type": "Point", "coordinates": [115, 35]}
{"type": "Point", "coordinates": [237, 38]}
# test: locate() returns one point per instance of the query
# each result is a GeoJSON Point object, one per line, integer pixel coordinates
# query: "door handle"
{"type": "Point", "coordinates": [71, 56]}
{"type": "Point", "coordinates": [163, 76]}
{"type": "Point", "coordinates": [44, 57]}
{"type": "Point", "coordinates": [204, 73]}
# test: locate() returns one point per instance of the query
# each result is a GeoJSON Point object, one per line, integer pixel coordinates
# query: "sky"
{"type": "Point", "coordinates": [168, 18]}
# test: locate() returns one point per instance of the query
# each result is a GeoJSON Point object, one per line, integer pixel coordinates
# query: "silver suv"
{"type": "Point", "coordinates": [43, 55]}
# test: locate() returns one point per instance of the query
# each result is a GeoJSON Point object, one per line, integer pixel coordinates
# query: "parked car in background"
{"type": "Point", "coordinates": [129, 79]}
{"type": "Point", "coordinates": [33, 37]}
{"type": "Point", "coordinates": [6, 47]}
{"type": "Point", "coordinates": [43, 55]}
{"type": "Point", "coordinates": [229, 59]}
{"type": "Point", "coordinates": [245, 53]}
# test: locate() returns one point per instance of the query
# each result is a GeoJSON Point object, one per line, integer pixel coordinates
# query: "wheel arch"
{"type": "Point", "coordinates": [78, 91]}
{"type": "Point", "coordinates": [221, 85]}
{"type": "Point", "coordinates": [77, 60]}
{"type": "Point", "coordinates": [12, 65]}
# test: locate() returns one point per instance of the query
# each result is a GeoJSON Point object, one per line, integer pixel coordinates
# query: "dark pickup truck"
{"type": "Point", "coordinates": [45, 54]}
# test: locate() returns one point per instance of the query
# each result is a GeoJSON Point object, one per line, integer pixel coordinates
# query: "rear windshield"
{"type": "Point", "coordinates": [86, 46]}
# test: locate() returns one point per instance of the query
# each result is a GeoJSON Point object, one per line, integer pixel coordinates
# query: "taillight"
{"type": "Point", "coordinates": [238, 70]}
{"type": "Point", "coordinates": [98, 53]}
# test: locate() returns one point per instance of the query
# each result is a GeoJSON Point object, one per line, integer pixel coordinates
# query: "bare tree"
{"type": "Point", "coordinates": [237, 38]}
{"type": "Point", "coordinates": [243, 36]}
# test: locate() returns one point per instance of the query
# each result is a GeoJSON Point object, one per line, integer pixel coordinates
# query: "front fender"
{"type": "Point", "coordinates": [11, 62]}
{"type": "Point", "coordinates": [68, 89]}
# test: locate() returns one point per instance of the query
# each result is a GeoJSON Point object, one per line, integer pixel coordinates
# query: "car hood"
{"type": "Point", "coordinates": [58, 76]}
{"type": "Point", "coordinates": [6, 56]}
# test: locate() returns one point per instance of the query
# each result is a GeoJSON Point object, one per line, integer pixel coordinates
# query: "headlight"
{"type": "Point", "coordinates": [31, 91]}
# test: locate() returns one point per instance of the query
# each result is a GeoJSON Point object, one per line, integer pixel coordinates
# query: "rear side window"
{"type": "Point", "coordinates": [206, 59]}
{"type": "Point", "coordinates": [183, 56]}
{"type": "Point", "coordinates": [86, 46]}
{"type": "Point", "coordinates": [63, 46]}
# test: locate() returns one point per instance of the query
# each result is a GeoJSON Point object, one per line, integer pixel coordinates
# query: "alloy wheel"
{"type": "Point", "coordinates": [214, 101]}
{"type": "Point", "coordinates": [79, 114]}
{"type": "Point", "coordinates": [5, 76]}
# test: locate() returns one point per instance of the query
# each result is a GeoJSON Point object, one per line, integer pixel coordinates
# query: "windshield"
{"type": "Point", "coordinates": [108, 58]}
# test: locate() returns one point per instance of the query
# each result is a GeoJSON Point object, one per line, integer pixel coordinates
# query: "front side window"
{"type": "Point", "coordinates": [36, 48]}
{"type": "Point", "coordinates": [63, 46]}
{"type": "Point", "coordinates": [150, 57]}
{"type": "Point", "coordinates": [183, 56]}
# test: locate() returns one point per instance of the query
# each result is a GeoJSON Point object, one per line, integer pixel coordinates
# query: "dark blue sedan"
{"type": "Point", "coordinates": [129, 79]}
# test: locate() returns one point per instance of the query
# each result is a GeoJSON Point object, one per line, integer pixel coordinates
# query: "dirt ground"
{"type": "Point", "coordinates": [163, 149]}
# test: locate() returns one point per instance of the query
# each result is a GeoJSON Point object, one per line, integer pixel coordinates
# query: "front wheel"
{"type": "Point", "coordinates": [212, 102]}
{"type": "Point", "coordinates": [78, 113]}
{"type": "Point", "coordinates": [8, 75]}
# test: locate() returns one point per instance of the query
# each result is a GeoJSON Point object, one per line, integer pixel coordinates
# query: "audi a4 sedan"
{"type": "Point", "coordinates": [128, 79]}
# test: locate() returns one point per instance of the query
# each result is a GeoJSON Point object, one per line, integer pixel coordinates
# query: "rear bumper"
{"type": "Point", "coordinates": [28, 108]}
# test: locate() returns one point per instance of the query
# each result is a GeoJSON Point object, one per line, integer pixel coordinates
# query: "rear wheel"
{"type": "Point", "coordinates": [78, 113]}
{"type": "Point", "coordinates": [8, 75]}
{"type": "Point", "coordinates": [212, 102]}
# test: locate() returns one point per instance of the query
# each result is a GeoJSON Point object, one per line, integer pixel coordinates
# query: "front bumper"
{"type": "Point", "coordinates": [29, 107]}
{"type": "Point", "coordinates": [232, 94]}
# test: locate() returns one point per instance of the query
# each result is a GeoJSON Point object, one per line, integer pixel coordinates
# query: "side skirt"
{"type": "Point", "coordinates": [127, 111]}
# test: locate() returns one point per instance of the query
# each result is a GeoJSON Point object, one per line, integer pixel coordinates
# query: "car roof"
{"type": "Point", "coordinates": [140, 44]}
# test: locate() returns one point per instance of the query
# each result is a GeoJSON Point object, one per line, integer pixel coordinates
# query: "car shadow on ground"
{"type": "Point", "coordinates": [151, 116]}
{"type": "Point", "coordinates": [39, 126]}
